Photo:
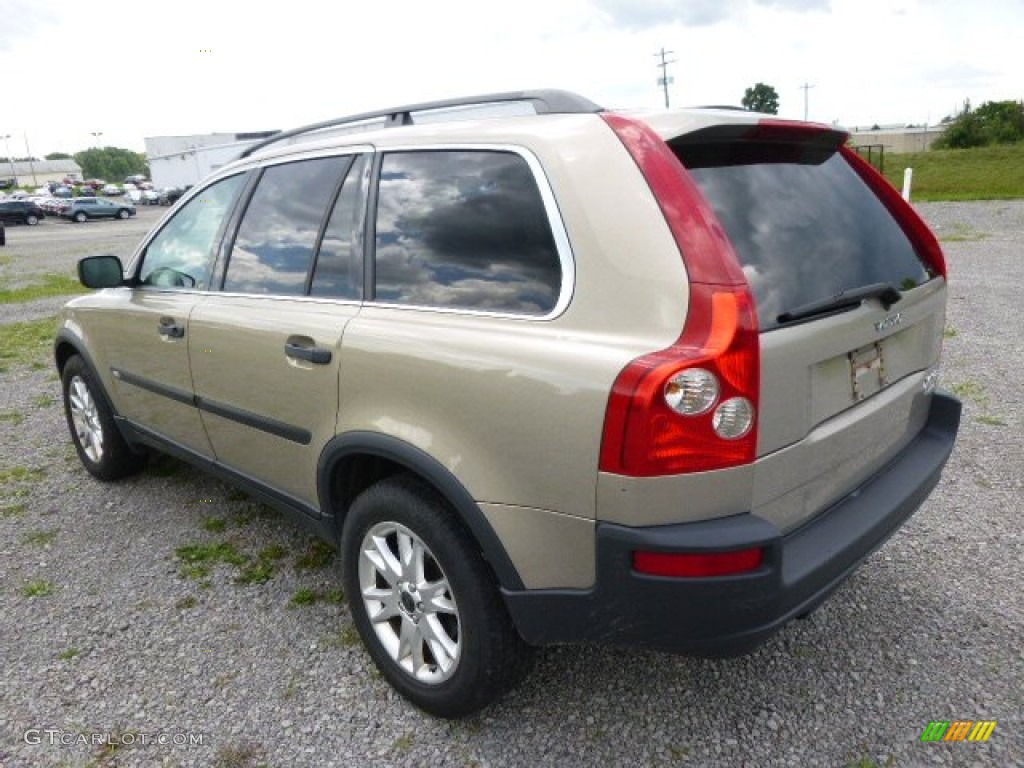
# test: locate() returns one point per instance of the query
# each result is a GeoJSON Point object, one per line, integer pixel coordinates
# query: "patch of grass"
{"type": "Point", "coordinates": [12, 417]}
{"type": "Point", "coordinates": [273, 552]}
{"type": "Point", "coordinates": [244, 755]}
{"type": "Point", "coordinates": [186, 602]}
{"type": "Point", "coordinates": [13, 510]}
{"type": "Point", "coordinates": [949, 332]}
{"type": "Point", "coordinates": [979, 173]}
{"type": "Point", "coordinates": [43, 287]}
{"type": "Point", "coordinates": [20, 474]}
{"type": "Point", "coordinates": [28, 343]}
{"type": "Point", "coordinates": [38, 588]}
{"type": "Point", "coordinates": [403, 743]}
{"type": "Point", "coordinates": [350, 636]}
{"type": "Point", "coordinates": [304, 596]}
{"type": "Point", "coordinates": [214, 524]}
{"type": "Point", "coordinates": [308, 596]}
{"type": "Point", "coordinates": [970, 390]}
{"type": "Point", "coordinates": [319, 554]}
{"type": "Point", "coordinates": [198, 559]}
{"type": "Point", "coordinates": [962, 234]}
{"type": "Point", "coordinates": [991, 421]}
{"type": "Point", "coordinates": [68, 655]}
{"type": "Point", "coordinates": [45, 401]}
{"type": "Point", "coordinates": [40, 538]}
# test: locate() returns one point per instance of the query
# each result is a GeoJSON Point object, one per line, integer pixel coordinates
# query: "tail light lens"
{"type": "Point", "coordinates": [691, 407]}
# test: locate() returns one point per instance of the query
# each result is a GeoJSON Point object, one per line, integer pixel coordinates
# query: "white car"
{"type": "Point", "coordinates": [111, 189]}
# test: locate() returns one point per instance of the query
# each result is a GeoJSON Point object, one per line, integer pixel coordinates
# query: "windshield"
{"type": "Point", "coordinates": [803, 223]}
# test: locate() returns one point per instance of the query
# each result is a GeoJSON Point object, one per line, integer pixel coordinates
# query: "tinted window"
{"type": "Point", "coordinates": [181, 255]}
{"type": "Point", "coordinates": [464, 229]}
{"type": "Point", "coordinates": [339, 263]}
{"type": "Point", "coordinates": [805, 226]}
{"type": "Point", "coordinates": [273, 250]}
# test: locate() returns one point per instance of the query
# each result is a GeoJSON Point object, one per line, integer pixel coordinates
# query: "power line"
{"type": "Point", "coordinates": [664, 81]}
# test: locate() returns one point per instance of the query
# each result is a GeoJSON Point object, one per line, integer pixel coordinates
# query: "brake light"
{"type": "Point", "coordinates": [697, 564]}
{"type": "Point", "coordinates": [691, 407]}
{"type": "Point", "coordinates": [913, 226]}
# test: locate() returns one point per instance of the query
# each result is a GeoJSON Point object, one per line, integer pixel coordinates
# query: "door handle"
{"type": "Point", "coordinates": [169, 328]}
{"type": "Point", "coordinates": [315, 355]}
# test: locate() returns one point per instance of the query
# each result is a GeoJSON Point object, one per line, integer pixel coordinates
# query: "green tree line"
{"type": "Point", "coordinates": [994, 122]}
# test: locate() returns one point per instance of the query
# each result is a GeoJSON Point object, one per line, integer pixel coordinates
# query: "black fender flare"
{"type": "Point", "coordinates": [430, 469]}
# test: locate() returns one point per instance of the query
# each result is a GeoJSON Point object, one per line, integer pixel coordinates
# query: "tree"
{"type": "Point", "coordinates": [761, 98]}
{"type": "Point", "coordinates": [994, 122]}
{"type": "Point", "coordinates": [111, 163]}
{"type": "Point", "coordinates": [58, 156]}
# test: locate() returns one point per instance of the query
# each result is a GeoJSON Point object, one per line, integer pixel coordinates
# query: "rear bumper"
{"type": "Point", "coordinates": [722, 616]}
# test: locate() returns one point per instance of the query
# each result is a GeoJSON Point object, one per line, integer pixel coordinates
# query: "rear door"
{"type": "Point", "coordinates": [266, 349]}
{"type": "Point", "coordinates": [850, 302]}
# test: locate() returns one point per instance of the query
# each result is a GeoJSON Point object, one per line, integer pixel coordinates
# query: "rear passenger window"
{"type": "Point", "coordinates": [273, 250]}
{"type": "Point", "coordinates": [465, 229]}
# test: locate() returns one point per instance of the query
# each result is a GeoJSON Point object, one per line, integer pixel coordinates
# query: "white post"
{"type": "Point", "coordinates": [908, 177]}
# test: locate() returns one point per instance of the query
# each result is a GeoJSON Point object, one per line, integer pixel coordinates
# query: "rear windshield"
{"type": "Point", "coordinates": [803, 223]}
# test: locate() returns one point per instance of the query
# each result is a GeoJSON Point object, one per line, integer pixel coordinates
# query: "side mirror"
{"type": "Point", "coordinates": [100, 272]}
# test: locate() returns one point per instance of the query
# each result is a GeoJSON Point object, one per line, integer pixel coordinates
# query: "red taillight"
{"type": "Point", "coordinates": [913, 226]}
{"type": "Point", "coordinates": [697, 564]}
{"type": "Point", "coordinates": [643, 436]}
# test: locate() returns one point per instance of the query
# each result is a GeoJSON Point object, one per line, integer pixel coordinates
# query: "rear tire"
{"type": "Point", "coordinates": [99, 443]}
{"type": "Point", "coordinates": [425, 603]}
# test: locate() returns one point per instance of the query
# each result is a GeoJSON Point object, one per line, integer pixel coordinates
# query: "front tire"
{"type": "Point", "coordinates": [31, 219]}
{"type": "Point", "coordinates": [425, 603]}
{"type": "Point", "coordinates": [101, 448]}
{"type": "Point", "coordinates": [80, 217]}
{"type": "Point", "coordinates": [123, 213]}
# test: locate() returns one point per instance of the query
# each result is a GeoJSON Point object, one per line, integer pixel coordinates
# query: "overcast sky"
{"type": "Point", "coordinates": [136, 69]}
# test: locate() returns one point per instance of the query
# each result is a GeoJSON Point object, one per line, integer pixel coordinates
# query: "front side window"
{"type": "Point", "coordinates": [182, 253]}
{"type": "Point", "coordinates": [276, 239]}
{"type": "Point", "coordinates": [464, 229]}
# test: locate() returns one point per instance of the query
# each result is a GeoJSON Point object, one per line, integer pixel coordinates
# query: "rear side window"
{"type": "Point", "coordinates": [803, 223]}
{"type": "Point", "coordinates": [273, 250]}
{"type": "Point", "coordinates": [464, 229]}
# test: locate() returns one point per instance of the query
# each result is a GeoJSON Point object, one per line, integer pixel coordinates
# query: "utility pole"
{"type": "Point", "coordinates": [664, 81]}
{"type": "Point", "coordinates": [807, 87]}
{"type": "Point", "coordinates": [31, 165]}
{"type": "Point", "coordinates": [14, 174]}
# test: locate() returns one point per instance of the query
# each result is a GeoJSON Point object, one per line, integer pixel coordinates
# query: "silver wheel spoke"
{"type": "Point", "coordinates": [441, 645]}
{"type": "Point", "coordinates": [436, 599]}
{"type": "Point", "coordinates": [385, 563]}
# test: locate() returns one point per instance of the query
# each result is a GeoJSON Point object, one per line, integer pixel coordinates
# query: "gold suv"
{"type": "Point", "coordinates": [544, 372]}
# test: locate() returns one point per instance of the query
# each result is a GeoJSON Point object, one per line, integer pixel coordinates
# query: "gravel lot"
{"type": "Point", "coordinates": [127, 642]}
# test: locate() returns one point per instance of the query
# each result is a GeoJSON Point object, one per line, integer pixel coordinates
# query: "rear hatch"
{"type": "Point", "coordinates": [850, 294]}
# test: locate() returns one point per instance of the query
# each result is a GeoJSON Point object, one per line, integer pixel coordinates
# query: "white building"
{"type": "Point", "coordinates": [40, 172]}
{"type": "Point", "coordinates": [181, 161]}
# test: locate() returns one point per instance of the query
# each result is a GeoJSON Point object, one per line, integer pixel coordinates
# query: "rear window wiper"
{"type": "Point", "coordinates": [886, 293]}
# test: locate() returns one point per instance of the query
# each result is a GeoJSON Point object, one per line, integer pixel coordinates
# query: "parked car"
{"type": "Point", "coordinates": [133, 195]}
{"type": "Point", "coordinates": [21, 212]}
{"type": "Point", "coordinates": [659, 379]}
{"type": "Point", "coordinates": [135, 179]}
{"type": "Point", "coordinates": [111, 190]}
{"type": "Point", "coordinates": [84, 208]}
{"type": "Point", "coordinates": [3, 233]}
{"type": "Point", "coordinates": [95, 184]}
{"type": "Point", "coordinates": [87, 192]}
{"type": "Point", "coordinates": [170, 195]}
{"type": "Point", "coordinates": [150, 197]}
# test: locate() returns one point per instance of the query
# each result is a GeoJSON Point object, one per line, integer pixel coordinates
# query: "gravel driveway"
{"type": "Point", "coordinates": [172, 605]}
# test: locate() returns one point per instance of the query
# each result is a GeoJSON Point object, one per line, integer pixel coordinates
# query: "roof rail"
{"type": "Point", "coordinates": [545, 101]}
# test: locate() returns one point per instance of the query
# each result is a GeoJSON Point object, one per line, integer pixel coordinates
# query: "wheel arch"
{"type": "Point", "coordinates": [352, 462]}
